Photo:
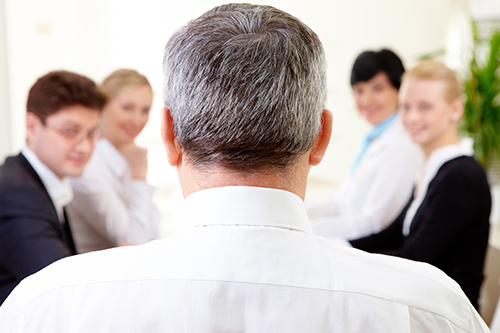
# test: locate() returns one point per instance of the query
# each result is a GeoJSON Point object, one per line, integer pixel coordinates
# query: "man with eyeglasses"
{"type": "Point", "coordinates": [62, 124]}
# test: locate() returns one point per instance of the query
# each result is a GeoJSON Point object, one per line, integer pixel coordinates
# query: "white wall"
{"type": "Point", "coordinates": [5, 126]}
{"type": "Point", "coordinates": [94, 37]}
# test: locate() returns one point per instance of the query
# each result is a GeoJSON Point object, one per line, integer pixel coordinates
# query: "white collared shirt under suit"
{"type": "Point", "coordinates": [60, 190]}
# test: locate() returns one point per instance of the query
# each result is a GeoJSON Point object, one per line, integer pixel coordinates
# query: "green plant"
{"type": "Point", "coordinates": [482, 107]}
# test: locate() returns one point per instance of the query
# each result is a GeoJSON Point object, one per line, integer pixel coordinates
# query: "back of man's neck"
{"type": "Point", "coordinates": [193, 180]}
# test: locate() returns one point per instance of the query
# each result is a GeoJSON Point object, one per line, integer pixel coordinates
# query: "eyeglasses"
{"type": "Point", "coordinates": [76, 135]}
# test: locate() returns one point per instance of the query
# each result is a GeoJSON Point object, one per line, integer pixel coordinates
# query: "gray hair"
{"type": "Point", "coordinates": [246, 86]}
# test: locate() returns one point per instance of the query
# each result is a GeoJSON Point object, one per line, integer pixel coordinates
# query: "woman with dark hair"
{"type": "Point", "coordinates": [446, 222]}
{"type": "Point", "coordinates": [382, 176]}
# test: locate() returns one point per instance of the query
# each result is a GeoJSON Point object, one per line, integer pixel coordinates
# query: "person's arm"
{"type": "Point", "coordinates": [30, 235]}
{"type": "Point", "coordinates": [325, 209]}
{"type": "Point", "coordinates": [142, 208]}
{"type": "Point", "coordinates": [387, 193]}
{"type": "Point", "coordinates": [448, 207]}
{"type": "Point", "coordinates": [98, 205]}
{"type": "Point", "coordinates": [389, 238]}
{"type": "Point", "coordinates": [141, 204]}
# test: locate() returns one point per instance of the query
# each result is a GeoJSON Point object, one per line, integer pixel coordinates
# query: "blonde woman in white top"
{"type": "Point", "coordinates": [113, 204]}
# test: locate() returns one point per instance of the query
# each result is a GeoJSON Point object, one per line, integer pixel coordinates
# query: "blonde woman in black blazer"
{"type": "Point", "coordinates": [446, 222]}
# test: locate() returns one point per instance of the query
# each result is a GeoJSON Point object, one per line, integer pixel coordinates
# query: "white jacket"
{"type": "Point", "coordinates": [375, 195]}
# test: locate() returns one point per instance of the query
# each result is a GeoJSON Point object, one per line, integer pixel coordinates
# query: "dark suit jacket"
{"type": "Point", "coordinates": [31, 236]}
{"type": "Point", "coordinates": [449, 230]}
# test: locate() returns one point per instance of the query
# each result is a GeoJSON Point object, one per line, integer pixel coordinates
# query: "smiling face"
{"type": "Point", "coordinates": [376, 99]}
{"type": "Point", "coordinates": [125, 115]}
{"type": "Point", "coordinates": [54, 143]}
{"type": "Point", "coordinates": [429, 118]}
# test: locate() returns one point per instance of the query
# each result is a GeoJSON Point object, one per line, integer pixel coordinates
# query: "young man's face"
{"type": "Point", "coordinates": [65, 142]}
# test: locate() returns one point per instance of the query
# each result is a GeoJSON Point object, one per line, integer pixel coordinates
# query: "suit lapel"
{"type": "Point", "coordinates": [23, 162]}
{"type": "Point", "coordinates": [67, 235]}
{"type": "Point", "coordinates": [64, 229]}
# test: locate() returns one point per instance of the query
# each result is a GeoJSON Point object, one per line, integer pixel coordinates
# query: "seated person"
{"type": "Point", "coordinates": [61, 123]}
{"type": "Point", "coordinates": [244, 120]}
{"type": "Point", "coordinates": [113, 204]}
{"type": "Point", "coordinates": [446, 222]}
{"type": "Point", "coordinates": [382, 176]}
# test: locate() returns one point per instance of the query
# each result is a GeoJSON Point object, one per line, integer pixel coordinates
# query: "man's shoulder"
{"type": "Point", "coordinates": [334, 270]}
{"type": "Point", "coordinates": [16, 171]}
{"type": "Point", "coordinates": [111, 265]}
{"type": "Point", "coordinates": [415, 284]}
{"type": "Point", "coordinates": [463, 174]}
{"type": "Point", "coordinates": [20, 187]}
{"type": "Point", "coordinates": [339, 269]}
{"type": "Point", "coordinates": [465, 167]}
{"type": "Point", "coordinates": [390, 277]}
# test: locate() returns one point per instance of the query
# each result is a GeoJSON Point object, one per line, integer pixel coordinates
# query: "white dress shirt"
{"type": "Point", "coordinates": [110, 208]}
{"type": "Point", "coordinates": [59, 189]}
{"type": "Point", "coordinates": [371, 198]}
{"type": "Point", "coordinates": [243, 259]}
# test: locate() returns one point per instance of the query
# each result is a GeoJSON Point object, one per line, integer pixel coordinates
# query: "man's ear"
{"type": "Point", "coordinates": [323, 139]}
{"type": "Point", "coordinates": [174, 151]}
{"type": "Point", "coordinates": [32, 125]}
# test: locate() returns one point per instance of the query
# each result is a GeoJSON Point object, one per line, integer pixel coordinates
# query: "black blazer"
{"type": "Point", "coordinates": [450, 229]}
{"type": "Point", "coordinates": [31, 236]}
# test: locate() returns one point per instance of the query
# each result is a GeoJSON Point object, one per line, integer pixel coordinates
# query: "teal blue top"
{"type": "Point", "coordinates": [373, 134]}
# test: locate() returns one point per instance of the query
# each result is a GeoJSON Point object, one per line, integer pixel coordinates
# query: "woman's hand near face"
{"type": "Point", "coordinates": [137, 159]}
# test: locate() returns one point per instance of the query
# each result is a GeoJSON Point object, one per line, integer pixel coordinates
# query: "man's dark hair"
{"type": "Point", "coordinates": [59, 89]}
{"type": "Point", "coordinates": [370, 63]}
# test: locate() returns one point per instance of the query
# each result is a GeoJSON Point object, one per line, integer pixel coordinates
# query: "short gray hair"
{"type": "Point", "coordinates": [246, 86]}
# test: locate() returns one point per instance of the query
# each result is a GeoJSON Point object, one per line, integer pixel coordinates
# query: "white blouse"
{"type": "Point", "coordinates": [371, 198]}
{"type": "Point", "coordinates": [109, 207]}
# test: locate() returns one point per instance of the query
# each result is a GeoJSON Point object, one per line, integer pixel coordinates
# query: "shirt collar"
{"type": "Point", "coordinates": [59, 190]}
{"type": "Point", "coordinates": [443, 154]}
{"type": "Point", "coordinates": [244, 205]}
{"type": "Point", "coordinates": [112, 157]}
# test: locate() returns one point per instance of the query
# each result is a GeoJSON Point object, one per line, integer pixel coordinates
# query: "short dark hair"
{"type": "Point", "coordinates": [370, 63]}
{"type": "Point", "coordinates": [60, 89]}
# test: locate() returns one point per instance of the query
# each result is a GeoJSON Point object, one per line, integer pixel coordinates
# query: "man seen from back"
{"type": "Point", "coordinates": [244, 120]}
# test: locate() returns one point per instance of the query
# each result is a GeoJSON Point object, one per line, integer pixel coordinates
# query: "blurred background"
{"type": "Point", "coordinates": [95, 37]}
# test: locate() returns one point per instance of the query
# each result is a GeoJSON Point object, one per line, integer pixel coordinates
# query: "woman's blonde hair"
{"type": "Point", "coordinates": [433, 70]}
{"type": "Point", "coordinates": [120, 79]}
